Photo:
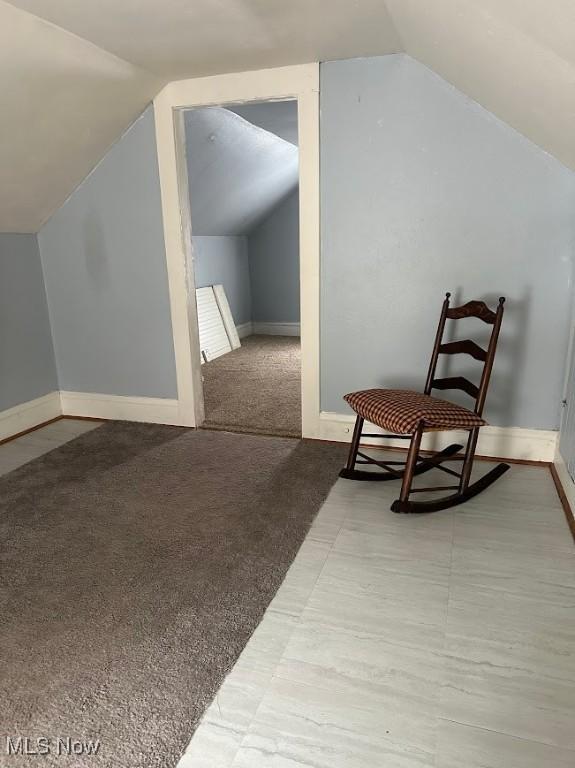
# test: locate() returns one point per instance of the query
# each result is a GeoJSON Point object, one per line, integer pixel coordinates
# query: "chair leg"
{"type": "Point", "coordinates": [410, 464]}
{"type": "Point", "coordinates": [468, 460]}
{"type": "Point", "coordinates": [354, 447]}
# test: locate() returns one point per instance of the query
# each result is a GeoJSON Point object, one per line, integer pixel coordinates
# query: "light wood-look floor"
{"type": "Point", "coordinates": [21, 450]}
{"type": "Point", "coordinates": [444, 640]}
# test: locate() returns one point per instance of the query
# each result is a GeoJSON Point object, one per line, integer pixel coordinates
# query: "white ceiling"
{"type": "Point", "coordinates": [65, 100]}
{"type": "Point", "coordinates": [515, 57]}
{"type": "Point", "coordinates": [188, 38]}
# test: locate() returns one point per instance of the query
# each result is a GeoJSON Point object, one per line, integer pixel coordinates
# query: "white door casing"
{"type": "Point", "coordinates": [299, 82]}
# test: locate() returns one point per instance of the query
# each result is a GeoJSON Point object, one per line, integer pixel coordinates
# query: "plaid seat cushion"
{"type": "Point", "coordinates": [400, 411]}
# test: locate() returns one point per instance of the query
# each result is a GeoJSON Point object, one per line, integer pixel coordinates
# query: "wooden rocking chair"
{"type": "Point", "coordinates": [409, 414]}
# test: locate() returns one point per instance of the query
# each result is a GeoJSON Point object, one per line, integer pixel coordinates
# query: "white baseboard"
{"type": "Point", "coordinates": [155, 410]}
{"type": "Point", "coordinates": [245, 329]}
{"type": "Point", "coordinates": [276, 329]}
{"type": "Point", "coordinates": [29, 415]}
{"type": "Point", "coordinates": [500, 442]}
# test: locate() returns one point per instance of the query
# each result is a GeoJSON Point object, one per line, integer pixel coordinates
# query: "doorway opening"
{"type": "Point", "coordinates": [242, 163]}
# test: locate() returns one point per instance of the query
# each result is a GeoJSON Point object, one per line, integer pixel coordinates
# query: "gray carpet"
{"type": "Point", "coordinates": [135, 562]}
{"type": "Point", "coordinates": [256, 388]}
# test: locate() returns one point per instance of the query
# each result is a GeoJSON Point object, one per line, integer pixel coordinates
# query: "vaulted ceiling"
{"type": "Point", "coordinates": [73, 75]}
{"type": "Point", "coordinates": [279, 117]}
{"type": "Point", "coordinates": [238, 172]}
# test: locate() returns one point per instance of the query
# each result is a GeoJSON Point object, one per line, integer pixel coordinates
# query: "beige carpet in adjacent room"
{"type": "Point", "coordinates": [256, 388]}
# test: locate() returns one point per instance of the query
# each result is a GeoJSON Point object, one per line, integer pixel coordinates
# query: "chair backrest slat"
{"type": "Point", "coordinates": [473, 309]}
{"type": "Point", "coordinates": [481, 311]}
{"type": "Point", "coordinates": [457, 382]}
{"type": "Point", "coordinates": [467, 347]}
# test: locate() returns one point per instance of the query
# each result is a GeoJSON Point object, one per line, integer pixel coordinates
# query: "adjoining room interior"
{"type": "Point", "coordinates": [243, 171]}
{"type": "Point", "coordinates": [366, 182]}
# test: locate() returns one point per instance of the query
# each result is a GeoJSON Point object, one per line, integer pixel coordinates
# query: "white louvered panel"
{"type": "Point", "coordinates": [226, 313]}
{"type": "Point", "coordinates": [214, 340]}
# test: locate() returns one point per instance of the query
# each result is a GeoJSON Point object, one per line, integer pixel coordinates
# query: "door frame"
{"type": "Point", "coordinates": [300, 83]}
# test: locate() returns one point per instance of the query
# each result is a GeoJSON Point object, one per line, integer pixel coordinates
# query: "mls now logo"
{"type": "Point", "coordinates": [42, 745]}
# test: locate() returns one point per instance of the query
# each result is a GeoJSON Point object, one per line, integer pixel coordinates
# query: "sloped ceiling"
{"type": "Point", "coordinates": [63, 103]}
{"type": "Point", "coordinates": [65, 100]}
{"type": "Point", "coordinates": [190, 38]}
{"type": "Point", "coordinates": [514, 57]}
{"type": "Point", "coordinates": [238, 172]}
{"type": "Point", "coordinates": [279, 117]}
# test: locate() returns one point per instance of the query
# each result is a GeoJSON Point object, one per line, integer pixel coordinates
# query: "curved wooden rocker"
{"type": "Point", "coordinates": [407, 415]}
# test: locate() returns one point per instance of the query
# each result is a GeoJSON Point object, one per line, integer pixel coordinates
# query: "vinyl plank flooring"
{"type": "Point", "coordinates": [21, 450]}
{"type": "Point", "coordinates": [352, 593]}
{"type": "Point", "coordinates": [301, 577]}
{"type": "Point", "coordinates": [15, 454]}
{"type": "Point", "coordinates": [529, 537]}
{"type": "Point", "coordinates": [226, 721]}
{"type": "Point", "coordinates": [510, 665]}
{"type": "Point", "coordinates": [538, 572]}
{"type": "Point", "coordinates": [413, 640]}
{"type": "Point", "coordinates": [370, 659]}
{"type": "Point", "coordinates": [298, 726]}
{"type": "Point", "coordinates": [511, 624]}
{"type": "Point", "coordinates": [461, 746]}
{"type": "Point", "coordinates": [72, 427]}
{"type": "Point", "coordinates": [412, 554]}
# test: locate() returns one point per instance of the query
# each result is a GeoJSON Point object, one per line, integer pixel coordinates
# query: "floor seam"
{"type": "Point", "coordinates": [297, 622]}
{"type": "Point", "coordinates": [444, 649]}
{"type": "Point", "coordinates": [504, 733]}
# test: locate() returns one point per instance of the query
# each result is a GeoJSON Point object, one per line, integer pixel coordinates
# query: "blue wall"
{"type": "Point", "coordinates": [224, 260]}
{"type": "Point", "coordinates": [424, 191]}
{"type": "Point", "coordinates": [243, 182]}
{"type": "Point", "coordinates": [27, 367]}
{"type": "Point", "coordinates": [274, 265]}
{"type": "Point", "coordinates": [104, 262]}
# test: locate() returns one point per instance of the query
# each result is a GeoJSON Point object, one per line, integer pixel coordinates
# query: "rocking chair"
{"type": "Point", "coordinates": [409, 414]}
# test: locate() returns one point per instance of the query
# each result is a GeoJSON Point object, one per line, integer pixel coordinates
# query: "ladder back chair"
{"type": "Point", "coordinates": [406, 414]}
